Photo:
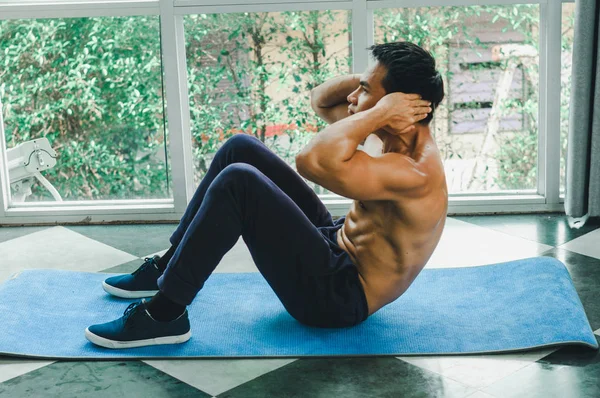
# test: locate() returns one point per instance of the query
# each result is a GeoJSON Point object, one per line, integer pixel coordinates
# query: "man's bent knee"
{"type": "Point", "coordinates": [242, 141]}
{"type": "Point", "coordinates": [237, 174]}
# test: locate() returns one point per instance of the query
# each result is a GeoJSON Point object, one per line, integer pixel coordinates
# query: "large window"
{"type": "Point", "coordinates": [252, 73]}
{"type": "Point", "coordinates": [487, 126]}
{"type": "Point", "coordinates": [93, 88]}
{"type": "Point", "coordinates": [86, 88]}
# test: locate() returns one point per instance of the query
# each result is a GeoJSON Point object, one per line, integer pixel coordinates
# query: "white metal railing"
{"type": "Point", "coordinates": [171, 12]}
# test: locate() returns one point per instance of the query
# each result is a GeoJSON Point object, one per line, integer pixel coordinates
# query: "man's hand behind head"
{"type": "Point", "coordinates": [402, 111]}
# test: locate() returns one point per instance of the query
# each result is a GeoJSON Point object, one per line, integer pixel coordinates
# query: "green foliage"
{"type": "Point", "coordinates": [256, 53]}
{"type": "Point", "coordinates": [517, 160]}
{"type": "Point", "coordinates": [93, 88]}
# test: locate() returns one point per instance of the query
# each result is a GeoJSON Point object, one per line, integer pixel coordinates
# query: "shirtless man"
{"type": "Point", "coordinates": [326, 273]}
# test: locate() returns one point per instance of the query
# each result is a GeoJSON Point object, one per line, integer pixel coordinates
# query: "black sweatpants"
{"type": "Point", "coordinates": [250, 191]}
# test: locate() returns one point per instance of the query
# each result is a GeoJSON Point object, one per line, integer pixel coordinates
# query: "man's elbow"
{"type": "Point", "coordinates": [312, 167]}
{"type": "Point", "coordinates": [314, 99]}
{"type": "Point", "coordinates": [302, 163]}
{"type": "Point", "coordinates": [308, 166]}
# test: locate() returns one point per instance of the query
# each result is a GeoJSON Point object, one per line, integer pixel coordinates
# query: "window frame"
{"type": "Point", "coordinates": [546, 198]}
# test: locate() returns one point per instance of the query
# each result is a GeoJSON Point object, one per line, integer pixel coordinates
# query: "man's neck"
{"type": "Point", "coordinates": [402, 143]}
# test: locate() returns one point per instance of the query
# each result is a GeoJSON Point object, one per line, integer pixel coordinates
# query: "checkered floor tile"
{"type": "Point", "coordinates": [549, 372]}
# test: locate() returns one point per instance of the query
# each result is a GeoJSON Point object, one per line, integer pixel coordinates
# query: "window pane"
{"type": "Point", "coordinates": [252, 73]}
{"type": "Point", "coordinates": [93, 88]}
{"type": "Point", "coordinates": [486, 127]}
{"type": "Point", "coordinates": [568, 25]}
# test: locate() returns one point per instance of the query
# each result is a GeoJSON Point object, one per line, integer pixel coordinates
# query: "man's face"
{"type": "Point", "coordinates": [369, 91]}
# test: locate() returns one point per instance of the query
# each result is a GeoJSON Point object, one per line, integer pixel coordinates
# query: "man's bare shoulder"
{"type": "Point", "coordinates": [428, 204]}
{"type": "Point", "coordinates": [428, 161]}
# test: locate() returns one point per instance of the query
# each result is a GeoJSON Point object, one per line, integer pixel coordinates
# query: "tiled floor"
{"type": "Point", "coordinates": [566, 372]}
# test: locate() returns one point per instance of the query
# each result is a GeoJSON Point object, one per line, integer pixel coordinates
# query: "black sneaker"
{"type": "Point", "coordinates": [136, 328]}
{"type": "Point", "coordinates": [141, 283]}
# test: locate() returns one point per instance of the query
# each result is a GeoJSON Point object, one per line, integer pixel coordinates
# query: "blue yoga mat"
{"type": "Point", "coordinates": [505, 307]}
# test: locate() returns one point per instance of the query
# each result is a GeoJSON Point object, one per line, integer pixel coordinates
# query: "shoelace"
{"type": "Point", "coordinates": [147, 263]}
{"type": "Point", "coordinates": [130, 310]}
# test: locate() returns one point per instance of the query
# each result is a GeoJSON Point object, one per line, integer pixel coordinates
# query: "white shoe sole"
{"type": "Point", "coordinates": [115, 291]}
{"type": "Point", "coordinates": [101, 341]}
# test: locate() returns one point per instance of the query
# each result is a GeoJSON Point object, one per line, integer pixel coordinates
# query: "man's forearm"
{"type": "Point", "coordinates": [338, 142]}
{"type": "Point", "coordinates": [334, 91]}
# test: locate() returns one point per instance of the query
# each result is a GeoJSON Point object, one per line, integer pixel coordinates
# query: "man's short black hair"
{"type": "Point", "coordinates": [410, 69]}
